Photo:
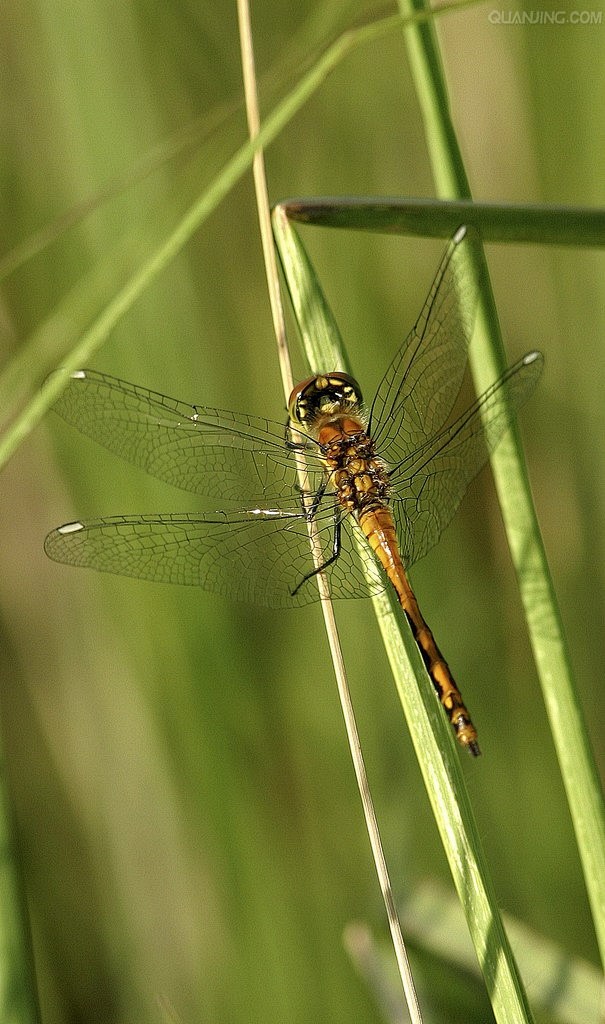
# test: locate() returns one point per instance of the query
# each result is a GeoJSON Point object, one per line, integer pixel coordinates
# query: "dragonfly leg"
{"type": "Point", "coordinates": [329, 561]}
{"type": "Point", "coordinates": [310, 511]}
{"type": "Point", "coordinates": [305, 444]}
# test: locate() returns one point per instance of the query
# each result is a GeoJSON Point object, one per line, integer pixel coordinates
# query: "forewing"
{"type": "Point", "coordinates": [205, 451]}
{"type": "Point", "coordinates": [427, 487]}
{"type": "Point", "coordinates": [259, 556]}
{"type": "Point", "coordinates": [419, 389]}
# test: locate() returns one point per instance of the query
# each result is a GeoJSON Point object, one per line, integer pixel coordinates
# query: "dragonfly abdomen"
{"type": "Point", "coordinates": [361, 481]}
{"type": "Point", "coordinates": [379, 529]}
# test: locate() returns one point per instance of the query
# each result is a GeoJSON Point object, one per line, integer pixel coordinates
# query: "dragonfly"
{"type": "Point", "coordinates": [392, 474]}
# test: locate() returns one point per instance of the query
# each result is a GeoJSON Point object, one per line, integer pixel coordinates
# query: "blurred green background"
{"type": "Point", "coordinates": [188, 822]}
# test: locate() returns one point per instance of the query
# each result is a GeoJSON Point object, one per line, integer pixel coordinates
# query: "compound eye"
{"type": "Point", "coordinates": [351, 393]}
{"type": "Point", "coordinates": [297, 404]}
{"type": "Point", "coordinates": [330, 394]}
{"type": "Point", "coordinates": [347, 387]}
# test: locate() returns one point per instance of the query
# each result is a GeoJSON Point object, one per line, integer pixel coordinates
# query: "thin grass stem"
{"type": "Point", "coordinates": [344, 693]}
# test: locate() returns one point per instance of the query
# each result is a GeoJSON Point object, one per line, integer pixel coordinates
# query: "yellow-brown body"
{"type": "Point", "coordinates": [361, 482]}
{"type": "Point", "coordinates": [329, 409]}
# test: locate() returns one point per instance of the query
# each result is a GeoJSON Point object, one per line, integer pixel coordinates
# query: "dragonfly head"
{"type": "Point", "coordinates": [322, 398]}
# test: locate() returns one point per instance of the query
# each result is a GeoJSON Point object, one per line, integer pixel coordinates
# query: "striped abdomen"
{"type": "Point", "coordinates": [362, 484]}
{"type": "Point", "coordinates": [379, 528]}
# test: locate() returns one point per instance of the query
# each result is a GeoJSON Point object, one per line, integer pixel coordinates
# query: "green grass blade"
{"type": "Point", "coordinates": [31, 364]}
{"type": "Point", "coordinates": [434, 218]}
{"type": "Point", "coordinates": [321, 341]}
{"type": "Point", "coordinates": [566, 988]}
{"type": "Point", "coordinates": [570, 736]}
{"type": "Point", "coordinates": [431, 735]}
{"type": "Point", "coordinates": [18, 991]}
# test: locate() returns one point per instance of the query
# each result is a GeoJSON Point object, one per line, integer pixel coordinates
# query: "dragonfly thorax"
{"type": "Point", "coordinates": [359, 476]}
{"type": "Point", "coordinates": [325, 398]}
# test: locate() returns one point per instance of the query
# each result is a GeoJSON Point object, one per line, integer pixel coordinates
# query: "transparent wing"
{"type": "Point", "coordinates": [258, 556]}
{"type": "Point", "coordinates": [418, 391]}
{"type": "Point", "coordinates": [428, 485]}
{"type": "Point", "coordinates": [205, 451]}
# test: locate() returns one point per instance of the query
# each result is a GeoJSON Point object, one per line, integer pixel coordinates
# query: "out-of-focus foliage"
{"type": "Point", "coordinates": [187, 816]}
